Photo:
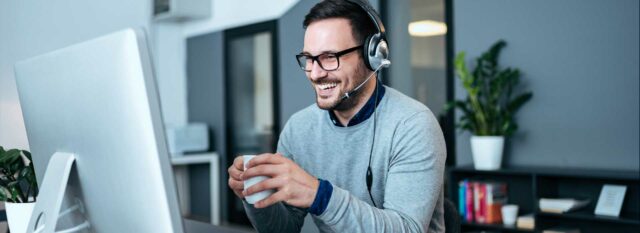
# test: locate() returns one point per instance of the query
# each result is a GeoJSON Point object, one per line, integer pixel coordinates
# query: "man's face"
{"type": "Point", "coordinates": [330, 36]}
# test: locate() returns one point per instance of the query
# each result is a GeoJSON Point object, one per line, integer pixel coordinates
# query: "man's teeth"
{"type": "Point", "coordinates": [325, 86]}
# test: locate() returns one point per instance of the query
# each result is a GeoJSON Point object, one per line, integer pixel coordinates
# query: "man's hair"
{"type": "Point", "coordinates": [361, 24]}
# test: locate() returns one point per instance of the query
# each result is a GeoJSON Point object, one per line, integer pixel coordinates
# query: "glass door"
{"type": "Point", "coordinates": [251, 97]}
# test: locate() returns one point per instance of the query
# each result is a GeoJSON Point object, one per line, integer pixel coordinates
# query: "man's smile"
{"type": "Point", "coordinates": [326, 89]}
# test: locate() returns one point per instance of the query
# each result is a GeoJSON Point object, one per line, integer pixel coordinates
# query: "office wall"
{"type": "Point", "coordinates": [295, 91]}
{"type": "Point", "coordinates": [29, 28]}
{"type": "Point", "coordinates": [205, 97]}
{"type": "Point", "coordinates": [580, 59]}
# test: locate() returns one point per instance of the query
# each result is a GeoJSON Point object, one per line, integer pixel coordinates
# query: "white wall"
{"type": "Point", "coordinates": [29, 28]}
{"type": "Point", "coordinates": [228, 14]}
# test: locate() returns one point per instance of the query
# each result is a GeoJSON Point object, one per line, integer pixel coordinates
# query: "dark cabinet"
{"type": "Point", "coordinates": [526, 185]}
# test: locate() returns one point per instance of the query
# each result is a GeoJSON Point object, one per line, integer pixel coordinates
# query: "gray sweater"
{"type": "Point", "coordinates": [407, 165]}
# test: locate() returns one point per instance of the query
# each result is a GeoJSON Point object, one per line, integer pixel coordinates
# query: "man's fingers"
{"type": "Point", "coordinates": [273, 183]}
{"type": "Point", "coordinates": [265, 159]}
{"type": "Point", "coordinates": [234, 173]}
{"type": "Point", "coordinates": [262, 170]}
{"type": "Point", "coordinates": [236, 185]}
{"type": "Point", "coordinates": [274, 198]}
{"type": "Point", "coordinates": [238, 164]}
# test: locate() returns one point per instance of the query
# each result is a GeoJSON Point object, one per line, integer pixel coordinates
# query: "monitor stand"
{"type": "Point", "coordinates": [47, 209]}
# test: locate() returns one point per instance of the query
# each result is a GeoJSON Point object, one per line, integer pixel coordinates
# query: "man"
{"type": "Point", "coordinates": [326, 149]}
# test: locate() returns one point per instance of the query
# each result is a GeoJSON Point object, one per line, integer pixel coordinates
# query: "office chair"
{"type": "Point", "coordinates": [451, 217]}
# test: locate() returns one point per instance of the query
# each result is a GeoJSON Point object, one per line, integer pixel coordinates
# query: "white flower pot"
{"type": "Point", "coordinates": [487, 152]}
{"type": "Point", "coordinates": [18, 215]}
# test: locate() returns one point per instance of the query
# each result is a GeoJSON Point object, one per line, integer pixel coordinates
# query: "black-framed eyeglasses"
{"type": "Point", "coordinates": [327, 61]}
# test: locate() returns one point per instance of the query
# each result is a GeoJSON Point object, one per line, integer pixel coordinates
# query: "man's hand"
{"type": "Point", "coordinates": [235, 181]}
{"type": "Point", "coordinates": [294, 185]}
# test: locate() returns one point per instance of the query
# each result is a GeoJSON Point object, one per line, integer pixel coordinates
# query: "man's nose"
{"type": "Point", "coordinates": [316, 71]}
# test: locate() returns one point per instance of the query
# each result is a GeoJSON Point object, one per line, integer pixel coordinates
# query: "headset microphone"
{"type": "Point", "coordinates": [385, 63]}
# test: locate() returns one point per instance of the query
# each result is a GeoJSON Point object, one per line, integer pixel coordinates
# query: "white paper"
{"type": "Point", "coordinates": [610, 200]}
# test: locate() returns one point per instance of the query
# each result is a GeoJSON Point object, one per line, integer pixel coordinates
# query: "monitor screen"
{"type": "Point", "coordinates": [98, 101]}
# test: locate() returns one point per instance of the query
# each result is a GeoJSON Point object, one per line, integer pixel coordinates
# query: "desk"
{"type": "Point", "coordinates": [180, 163]}
{"type": "Point", "coordinates": [191, 226]}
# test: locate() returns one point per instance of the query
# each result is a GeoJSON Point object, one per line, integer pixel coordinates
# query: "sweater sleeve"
{"type": "Point", "coordinates": [280, 217]}
{"type": "Point", "coordinates": [413, 187]}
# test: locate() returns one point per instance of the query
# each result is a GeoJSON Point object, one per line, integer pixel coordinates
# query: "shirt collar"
{"type": "Point", "coordinates": [364, 113]}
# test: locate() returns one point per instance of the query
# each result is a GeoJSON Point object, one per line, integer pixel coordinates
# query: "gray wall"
{"type": "Point", "coordinates": [580, 58]}
{"type": "Point", "coordinates": [205, 103]}
{"type": "Point", "coordinates": [295, 91]}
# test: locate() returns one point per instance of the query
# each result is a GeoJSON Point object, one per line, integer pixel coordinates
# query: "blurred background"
{"type": "Point", "coordinates": [230, 65]}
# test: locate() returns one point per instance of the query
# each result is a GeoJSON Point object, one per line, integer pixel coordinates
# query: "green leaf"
{"type": "Point", "coordinates": [489, 107]}
{"type": "Point", "coordinates": [515, 105]}
{"type": "Point", "coordinates": [494, 52]}
{"type": "Point", "coordinates": [27, 154]}
{"type": "Point", "coordinates": [15, 195]}
{"type": "Point", "coordinates": [10, 156]}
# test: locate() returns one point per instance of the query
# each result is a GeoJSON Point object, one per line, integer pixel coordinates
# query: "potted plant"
{"type": "Point", "coordinates": [18, 187]}
{"type": "Point", "coordinates": [488, 110]}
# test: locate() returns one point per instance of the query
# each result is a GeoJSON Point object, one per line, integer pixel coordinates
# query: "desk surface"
{"type": "Point", "coordinates": [192, 226]}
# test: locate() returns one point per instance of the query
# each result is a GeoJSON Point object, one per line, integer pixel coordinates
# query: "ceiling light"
{"type": "Point", "coordinates": [426, 28]}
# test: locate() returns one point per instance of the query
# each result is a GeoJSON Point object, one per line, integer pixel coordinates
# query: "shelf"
{"type": "Point", "coordinates": [586, 216]}
{"type": "Point", "coordinates": [495, 227]}
{"type": "Point", "coordinates": [193, 158]}
{"type": "Point", "coordinates": [555, 172]}
{"type": "Point", "coordinates": [527, 184]}
{"type": "Point", "coordinates": [180, 170]}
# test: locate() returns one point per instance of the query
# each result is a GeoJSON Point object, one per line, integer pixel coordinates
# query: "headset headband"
{"type": "Point", "coordinates": [372, 14]}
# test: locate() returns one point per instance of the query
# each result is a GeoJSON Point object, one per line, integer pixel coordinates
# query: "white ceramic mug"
{"type": "Point", "coordinates": [253, 198]}
{"type": "Point", "coordinates": [509, 214]}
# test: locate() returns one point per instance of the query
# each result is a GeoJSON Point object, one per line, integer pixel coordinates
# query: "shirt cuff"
{"type": "Point", "coordinates": [323, 196]}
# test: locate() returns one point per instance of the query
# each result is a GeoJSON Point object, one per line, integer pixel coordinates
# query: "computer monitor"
{"type": "Point", "coordinates": [98, 102]}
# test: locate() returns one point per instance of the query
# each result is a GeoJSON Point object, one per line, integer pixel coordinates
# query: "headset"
{"type": "Point", "coordinates": [375, 51]}
{"type": "Point", "coordinates": [376, 56]}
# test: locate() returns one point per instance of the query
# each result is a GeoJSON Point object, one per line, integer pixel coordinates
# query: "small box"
{"type": "Point", "coordinates": [193, 137]}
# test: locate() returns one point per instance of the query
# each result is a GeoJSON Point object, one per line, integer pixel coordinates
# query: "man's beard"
{"type": "Point", "coordinates": [352, 101]}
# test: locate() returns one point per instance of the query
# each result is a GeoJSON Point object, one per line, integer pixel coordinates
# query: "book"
{"type": "Point", "coordinates": [496, 197]}
{"type": "Point", "coordinates": [469, 201]}
{"type": "Point", "coordinates": [526, 222]}
{"type": "Point", "coordinates": [479, 200]}
{"type": "Point", "coordinates": [561, 205]}
{"type": "Point", "coordinates": [462, 197]}
{"type": "Point", "coordinates": [562, 230]}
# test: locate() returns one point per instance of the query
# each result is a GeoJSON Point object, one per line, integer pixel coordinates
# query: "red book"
{"type": "Point", "coordinates": [480, 202]}
{"type": "Point", "coordinates": [469, 201]}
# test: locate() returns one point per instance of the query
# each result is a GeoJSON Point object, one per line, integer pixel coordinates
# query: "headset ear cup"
{"type": "Point", "coordinates": [376, 54]}
{"type": "Point", "coordinates": [365, 51]}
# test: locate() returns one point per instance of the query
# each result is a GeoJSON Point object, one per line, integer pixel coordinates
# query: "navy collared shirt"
{"type": "Point", "coordinates": [365, 112]}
